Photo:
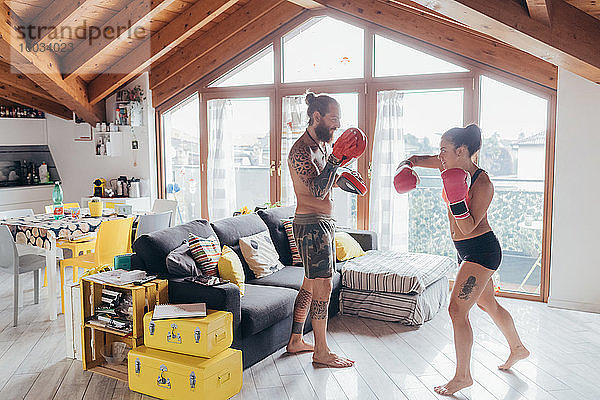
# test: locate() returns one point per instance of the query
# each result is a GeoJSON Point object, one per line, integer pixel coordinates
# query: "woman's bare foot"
{"type": "Point", "coordinates": [453, 386]}
{"type": "Point", "coordinates": [299, 346]}
{"type": "Point", "coordinates": [516, 354]}
{"type": "Point", "coordinates": [330, 359]}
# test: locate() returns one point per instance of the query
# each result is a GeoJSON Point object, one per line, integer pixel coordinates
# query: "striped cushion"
{"type": "Point", "coordinates": [289, 230]}
{"type": "Point", "coordinates": [206, 253]}
{"type": "Point", "coordinates": [391, 271]}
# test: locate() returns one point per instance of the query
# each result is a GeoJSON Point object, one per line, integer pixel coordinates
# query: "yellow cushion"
{"type": "Point", "coordinates": [230, 268]}
{"type": "Point", "coordinates": [346, 247]}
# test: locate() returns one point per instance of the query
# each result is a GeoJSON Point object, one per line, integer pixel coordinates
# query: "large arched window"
{"type": "Point", "coordinates": [404, 94]}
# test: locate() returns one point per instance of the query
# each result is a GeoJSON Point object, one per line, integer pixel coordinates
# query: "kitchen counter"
{"type": "Point", "coordinates": [137, 203]}
{"type": "Point", "coordinates": [19, 197]}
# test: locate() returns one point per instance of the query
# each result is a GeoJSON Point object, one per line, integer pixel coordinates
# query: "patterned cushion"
{"type": "Point", "coordinates": [206, 253]}
{"type": "Point", "coordinates": [289, 230]}
{"type": "Point", "coordinates": [260, 254]}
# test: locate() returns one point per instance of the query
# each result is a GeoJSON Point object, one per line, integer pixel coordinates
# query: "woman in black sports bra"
{"type": "Point", "coordinates": [479, 252]}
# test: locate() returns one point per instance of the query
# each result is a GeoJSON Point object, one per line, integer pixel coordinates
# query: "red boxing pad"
{"type": "Point", "coordinates": [351, 144]}
{"type": "Point", "coordinates": [351, 181]}
{"type": "Point", "coordinates": [405, 179]}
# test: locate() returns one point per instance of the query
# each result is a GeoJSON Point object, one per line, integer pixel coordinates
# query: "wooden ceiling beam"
{"type": "Point", "coordinates": [43, 69]}
{"type": "Point", "coordinates": [309, 4]}
{"type": "Point", "coordinates": [57, 15]}
{"type": "Point", "coordinates": [448, 35]}
{"type": "Point", "coordinates": [134, 16]}
{"type": "Point", "coordinates": [159, 44]}
{"type": "Point", "coordinates": [26, 98]}
{"type": "Point", "coordinates": [228, 49]}
{"type": "Point", "coordinates": [538, 10]}
{"type": "Point", "coordinates": [177, 60]}
{"type": "Point", "coordinates": [10, 76]}
{"type": "Point", "coordinates": [571, 40]}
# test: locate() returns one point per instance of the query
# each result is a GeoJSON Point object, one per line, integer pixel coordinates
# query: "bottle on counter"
{"type": "Point", "coordinates": [57, 201]}
{"type": "Point", "coordinates": [44, 176]}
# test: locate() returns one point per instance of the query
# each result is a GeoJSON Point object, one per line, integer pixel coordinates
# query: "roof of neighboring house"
{"type": "Point", "coordinates": [537, 139]}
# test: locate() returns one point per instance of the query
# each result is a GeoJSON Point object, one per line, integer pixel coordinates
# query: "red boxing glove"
{"type": "Point", "coordinates": [457, 190]}
{"type": "Point", "coordinates": [351, 181]}
{"type": "Point", "coordinates": [405, 178]}
{"type": "Point", "coordinates": [350, 145]}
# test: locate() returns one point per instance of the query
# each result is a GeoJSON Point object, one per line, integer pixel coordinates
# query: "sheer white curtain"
{"type": "Point", "coordinates": [388, 214]}
{"type": "Point", "coordinates": [295, 121]}
{"type": "Point", "coordinates": [221, 167]}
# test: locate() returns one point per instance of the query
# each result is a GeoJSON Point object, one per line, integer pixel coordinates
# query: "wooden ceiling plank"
{"type": "Point", "coordinates": [10, 76]}
{"type": "Point", "coordinates": [57, 14]}
{"type": "Point", "coordinates": [538, 10]}
{"type": "Point", "coordinates": [228, 49]}
{"type": "Point", "coordinates": [309, 4]}
{"type": "Point", "coordinates": [449, 36]}
{"type": "Point", "coordinates": [177, 60]}
{"type": "Point", "coordinates": [156, 46]}
{"type": "Point", "coordinates": [134, 15]}
{"type": "Point", "coordinates": [43, 69]}
{"type": "Point", "coordinates": [571, 40]}
{"type": "Point", "coordinates": [26, 98]}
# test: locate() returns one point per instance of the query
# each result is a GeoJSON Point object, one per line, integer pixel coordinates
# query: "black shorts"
{"type": "Point", "coordinates": [483, 250]}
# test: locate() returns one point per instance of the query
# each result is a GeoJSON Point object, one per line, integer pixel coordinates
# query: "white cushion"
{"type": "Point", "coordinates": [260, 254]}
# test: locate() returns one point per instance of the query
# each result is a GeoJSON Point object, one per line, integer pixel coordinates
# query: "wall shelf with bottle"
{"type": "Point", "coordinates": [20, 112]}
{"type": "Point", "coordinates": [108, 143]}
{"type": "Point", "coordinates": [128, 107]}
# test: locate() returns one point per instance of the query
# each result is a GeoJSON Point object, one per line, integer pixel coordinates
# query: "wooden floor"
{"type": "Point", "coordinates": [392, 361]}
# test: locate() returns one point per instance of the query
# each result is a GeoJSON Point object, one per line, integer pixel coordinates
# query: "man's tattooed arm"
{"type": "Point", "coordinates": [319, 184]}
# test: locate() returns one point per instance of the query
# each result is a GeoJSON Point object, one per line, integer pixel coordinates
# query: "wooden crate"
{"type": "Point", "coordinates": [95, 338]}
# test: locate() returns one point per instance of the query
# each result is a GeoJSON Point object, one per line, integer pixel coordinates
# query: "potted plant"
{"type": "Point", "coordinates": [136, 97]}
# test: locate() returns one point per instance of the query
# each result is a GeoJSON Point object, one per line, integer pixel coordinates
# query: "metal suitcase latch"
{"type": "Point", "coordinates": [137, 365]}
{"type": "Point", "coordinates": [192, 380]}
{"type": "Point", "coordinates": [151, 327]}
{"type": "Point", "coordinates": [197, 334]}
{"type": "Point", "coordinates": [161, 380]}
{"type": "Point", "coordinates": [174, 337]}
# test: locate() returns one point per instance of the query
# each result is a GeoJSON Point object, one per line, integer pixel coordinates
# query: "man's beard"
{"type": "Point", "coordinates": [323, 133]}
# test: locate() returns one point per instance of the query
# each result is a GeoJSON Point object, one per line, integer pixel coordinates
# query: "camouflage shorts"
{"type": "Point", "coordinates": [314, 234]}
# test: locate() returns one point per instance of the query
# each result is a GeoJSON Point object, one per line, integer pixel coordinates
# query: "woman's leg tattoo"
{"type": "Point", "coordinates": [467, 288]}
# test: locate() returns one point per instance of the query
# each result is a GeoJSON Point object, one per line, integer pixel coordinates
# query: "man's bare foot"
{"type": "Point", "coordinates": [453, 386]}
{"type": "Point", "coordinates": [299, 346]}
{"type": "Point", "coordinates": [330, 359]}
{"type": "Point", "coordinates": [516, 354]}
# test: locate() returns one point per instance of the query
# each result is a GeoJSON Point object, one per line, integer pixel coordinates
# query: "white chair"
{"type": "Point", "coordinates": [162, 205]}
{"type": "Point", "coordinates": [26, 212]}
{"type": "Point", "coordinates": [17, 265]}
{"type": "Point", "coordinates": [152, 222]}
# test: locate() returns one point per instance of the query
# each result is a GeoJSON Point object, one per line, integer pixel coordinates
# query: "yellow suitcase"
{"type": "Point", "coordinates": [202, 337]}
{"type": "Point", "coordinates": [169, 375]}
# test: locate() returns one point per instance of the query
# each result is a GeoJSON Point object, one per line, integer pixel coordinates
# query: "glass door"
{"type": "Point", "coordinates": [238, 170]}
{"type": "Point", "coordinates": [411, 122]}
{"type": "Point", "coordinates": [514, 126]}
{"type": "Point", "coordinates": [181, 135]}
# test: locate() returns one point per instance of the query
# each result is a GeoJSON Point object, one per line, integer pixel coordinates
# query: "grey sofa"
{"type": "Point", "coordinates": [263, 316]}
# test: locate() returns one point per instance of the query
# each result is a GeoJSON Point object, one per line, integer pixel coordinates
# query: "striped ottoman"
{"type": "Point", "coordinates": [393, 286]}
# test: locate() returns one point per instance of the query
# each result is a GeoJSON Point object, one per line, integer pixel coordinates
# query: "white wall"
{"type": "Point", "coordinates": [575, 265]}
{"type": "Point", "coordinates": [78, 165]}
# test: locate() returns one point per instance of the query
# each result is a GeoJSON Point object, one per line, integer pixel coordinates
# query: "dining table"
{"type": "Point", "coordinates": [42, 231]}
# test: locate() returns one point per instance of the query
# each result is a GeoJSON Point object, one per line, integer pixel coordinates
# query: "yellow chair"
{"type": "Point", "coordinates": [77, 247]}
{"type": "Point", "coordinates": [50, 209]}
{"type": "Point", "coordinates": [113, 238]}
